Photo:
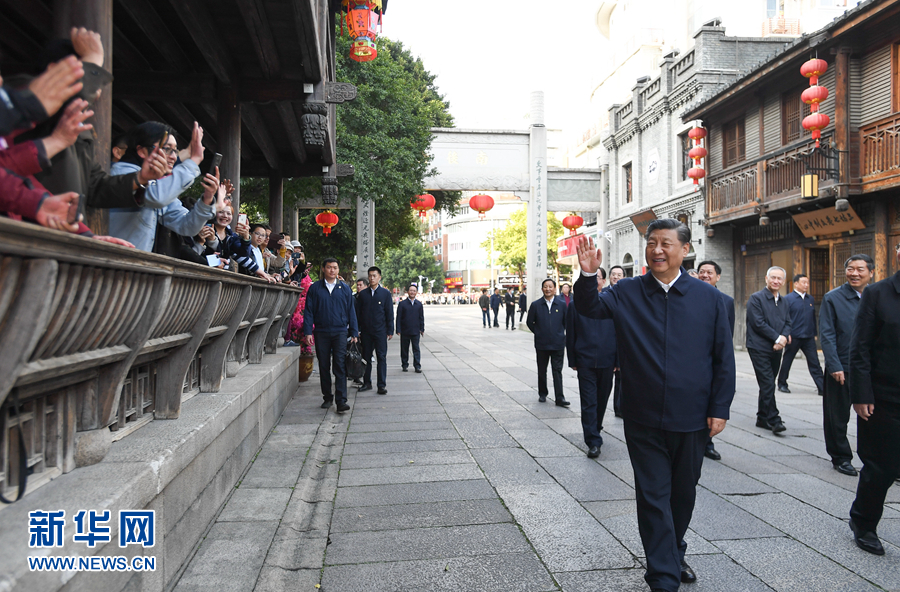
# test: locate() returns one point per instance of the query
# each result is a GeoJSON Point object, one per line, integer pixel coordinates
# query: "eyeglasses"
{"type": "Point", "coordinates": [167, 151]}
{"type": "Point", "coordinates": [258, 235]}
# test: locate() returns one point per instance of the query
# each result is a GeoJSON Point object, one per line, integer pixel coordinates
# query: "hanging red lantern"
{"type": "Point", "coordinates": [363, 19]}
{"type": "Point", "coordinates": [481, 203]}
{"type": "Point", "coordinates": [697, 134]}
{"type": "Point", "coordinates": [816, 122]}
{"type": "Point", "coordinates": [813, 96]}
{"type": "Point", "coordinates": [422, 203]}
{"type": "Point", "coordinates": [696, 173]}
{"type": "Point", "coordinates": [813, 69]}
{"type": "Point", "coordinates": [326, 220]}
{"type": "Point", "coordinates": [573, 223]}
{"type": "Point", "coordinates": [697, 153]}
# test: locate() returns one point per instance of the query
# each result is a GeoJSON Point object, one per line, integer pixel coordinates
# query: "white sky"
{"type": "Point", "coordinates": [489, 55]}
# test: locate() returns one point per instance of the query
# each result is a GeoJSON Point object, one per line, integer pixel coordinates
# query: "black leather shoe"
{"type": "Point", "coordinates": [342, 407]}
{"type": "Point", "coordinates": [542, 398]}
{"type": "Point", "coordinates": [687, 574]}
{"type": "Point", "coordinates": [712, 453]}
{"type": "Point", "coordinates": [405, 369]}
{"type": "Point", "coordinates": [867, 541]}
{"type": "Point", "coordinates": [382, 391]}
{"type": "Point", "coordinates": [778, 427]}
{"type": "Point", "coordinates": [418, 370]}
{"type": "Point", "coordinates": [783, 389]}
{"type": "Point", "coordinates": [365, 387]}
{"type": "Point", "coordinates": [821, 393]}
{"type": "Point", "coordinates": [593, 452]}
{"type": "Point", "coordinates": [326, 404]}
{"type": "Point", "coordinates": [562, 403]}
{"type": "Point", "coordinates": [846, 468]}
{"type": "Point", "coordinates": [357, 382]}
{"type": "Point", "coordinates": [761, 423]}
{"type": "Point", "coordinates": [514, 329]}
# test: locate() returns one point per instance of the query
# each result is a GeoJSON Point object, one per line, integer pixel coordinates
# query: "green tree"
{"type": "Point", "coordinates": [385, 133]}
{"type": "Point", "coordinates": [406, 262]}
{"type": "Point", "coordinates": [512, 241]}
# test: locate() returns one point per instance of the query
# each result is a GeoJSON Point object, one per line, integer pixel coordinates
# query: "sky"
{"type": "Point", "coordinates": [489, 55]}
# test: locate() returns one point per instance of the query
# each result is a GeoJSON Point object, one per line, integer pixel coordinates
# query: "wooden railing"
{"type": "Point", "coordinates": [732, 189]}
{"type": "Point", "coordinates": [97, 340]}
{"type": "Point", "coordinates": [880, 149]}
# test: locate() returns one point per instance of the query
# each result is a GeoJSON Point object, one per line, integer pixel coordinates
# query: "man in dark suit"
{"type": "Point", "coordinates": [616, 272]}
{"type": "Point", "coordinates": [875, 392]}
{"type": "Point", "coordinates": [803, 335]}
{"type": "Point", "coordinates": [509, 300]}
{"type": "Point", "coordinates": [836, 321]}
{"type": "Point", "coordinates": [361, 284]}
{"type": "Point", "coordinates": [711, 272]}
{"type": "Point", "coordinates": [329, 306]}
{"type": "Point", "coordinates": [410, 327]}
{"type": "Point", "coordinates": [768, 333]}
{"type": "Point", "coordinates": [677, 366]}
{"type": "Point", "coordinates": [523, 304]}
{"type": "Point", "coordinates": [547, 320]}
{"type": "Point", "coordinates": [376, 327]}
{"type": "Point", "coordinates": [495, 306]}
{"type": "Point", "coordinates": [591, 348]}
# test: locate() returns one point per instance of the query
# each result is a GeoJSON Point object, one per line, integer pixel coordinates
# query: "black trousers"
{"type": "Point", "coordinates": [378, 344]}
{"type": "Point", "coordinates": [511, 316]}
{"type": "Point", "coordinates": [331, 349]}
{"type": "Point", "coordinates": [555, 357]}
{"type": "Point", "coordinates": [617, 392]}
{"type": "Point", "coordinates": [836, 414]}
{"type": "Point", "coordinates": [666, 471]}
{"type": "Point", "coordinates": [765, 365]}
{"type": "Point", "coordinates": [405, 340]}
{"type": "Point", "coordinates": [521, 314]}
{"type": "Point", "coordinates": [594, 386]}
{"type": "Point", "coordinates": [808, 346]}
{"type": "Point", "coordinates": [878, 446]}
{"type": "Point", "coordinates": [496, 316]}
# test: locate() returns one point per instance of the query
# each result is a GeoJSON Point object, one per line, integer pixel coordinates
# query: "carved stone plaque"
{"type": "Point", "coordinates": [339, 92]}
{"type": "Point", "coordinates": [329, 191]}
{"type": "Point", "coordinates": [345, 170]}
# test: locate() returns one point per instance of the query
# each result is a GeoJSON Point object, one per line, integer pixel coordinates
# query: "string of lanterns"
{"type": "Point", "coordinates": [363, 22]}
{"type": "Point", "coordinates": [815, 94]}
{"type": "Point", "coordinates": [697, 153]}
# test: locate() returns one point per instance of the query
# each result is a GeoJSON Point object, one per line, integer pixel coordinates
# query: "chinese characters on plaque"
{"type": "Point", "coordinates": [827, 221]}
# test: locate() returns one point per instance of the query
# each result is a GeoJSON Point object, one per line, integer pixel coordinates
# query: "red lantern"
{"type": "Point", "coordinates": [697, 134]}
{"type": "Point", "coordinates": [326, 220]}
{"type": "Point", "coordinates": [696, 173]}
{"type": "Point", "coordinates": [481, 203]}
{"type": "Point", "coordinates": [816, 122]}
{"type": "Point", "coordinates": [363, 20]}
{"type": "Point", "coordinates": [813, 96]}
{"type": "Point", "coordinates": [697, 153]}
{"type": "Point", "coordinates": [573, 223]}
{"type": "Point", "coordinates": [422, 203]}
{"type": "Point", "coordinates": [813, 69]}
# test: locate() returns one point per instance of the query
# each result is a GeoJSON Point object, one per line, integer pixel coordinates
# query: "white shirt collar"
{"type": "Point", "coordinates": [802, 294]}
{"type": "Point", "coordinates": [666, 287]}
{"type": "Point", "coordinates": [330, 285]}
{"type": "Point", "coordinates": [550, 302]}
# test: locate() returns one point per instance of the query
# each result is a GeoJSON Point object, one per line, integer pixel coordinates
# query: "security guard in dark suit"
{"type": "Point", "coordinates": [410, 327]}
{"type": "Point", "coordinates": [591, 348]}
{"type": "Point", "coordinates": [547, 320]}
{"type": "Point", "coordinates": [678, 377]}
{"type": "Point", "coordinates": [376, 327]}
{"type": "Point", "coordinates": [803, 335]}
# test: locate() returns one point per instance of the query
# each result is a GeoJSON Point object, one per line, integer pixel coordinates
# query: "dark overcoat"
{"type": "Point", "coordinates": [875, 345]}
{"type": "Point", "coordinates": [548, 324]}
{"type": "Point", "coordinates": [410, 317]}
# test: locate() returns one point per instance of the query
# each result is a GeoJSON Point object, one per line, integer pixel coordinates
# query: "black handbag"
{"type": "Point", "coordinates": [354, 363]}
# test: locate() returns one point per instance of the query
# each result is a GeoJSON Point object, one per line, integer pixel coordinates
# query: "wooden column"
{"type": "Point", "coordinates": [276, 202]}
{"type": "Point", "coordinates": [842, 115]}
{"type": "Point", "coordinates": [94, 15]}
{"type": "Point", "coordinates": [883, 250]}
{"type": "Point", "coordinates": [229, 124]}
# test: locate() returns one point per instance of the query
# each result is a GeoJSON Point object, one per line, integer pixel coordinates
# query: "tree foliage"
{"type": "Point", "coordinates": [404, 264]}
{"type": "Point", "coordinates": [512, 241]}
{"type": "Point", "coordinates": [385, 133]}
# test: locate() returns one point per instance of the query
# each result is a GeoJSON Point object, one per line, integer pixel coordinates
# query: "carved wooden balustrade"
{"type": "Point", "coordinates": [880, 149]}
{"type": "Point", "coordinates": [97, 340]}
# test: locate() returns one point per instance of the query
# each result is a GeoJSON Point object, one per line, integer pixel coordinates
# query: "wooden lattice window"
{"type": "Point", "coordinates": [626, 174]}
{"type": "Point", "coordinates": [686, 163]}
{"type": "Point", "coordinates": [793, 110]}
{"type": "Point", "coordinates": [734, 145]}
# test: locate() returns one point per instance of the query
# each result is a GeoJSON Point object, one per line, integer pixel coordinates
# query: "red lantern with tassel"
{"type": "Point", "coordinates": [422, 203]}
{"type": "Point", "coordinates": [697, 153]}
{"type": "Point", "coordinates": [813, 69]}
{"type": "Point", "coordinates": [573, 223]}
{"type": "Point", "coordinates": [813, 96]}
{"type": "Point", "coordinates": [363, 19]}
{"type": "Point", "coordinates": [697, 134]}
{"type": "Point", "coordinates": [326, 220]}
{"type": "Point", "coordinates": [816, 122]}
{"type": "Point", "coordinates": [481, 203]}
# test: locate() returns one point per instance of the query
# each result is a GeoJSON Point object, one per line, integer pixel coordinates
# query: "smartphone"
{"type": "Point", "coordinates": [242, 218]}
{"type": "Point", "coordinates": [213, 260]}
{"type": "Point", "coordinates": [72, 215]}
{"type": "Point", "coordinates": [216, 161]}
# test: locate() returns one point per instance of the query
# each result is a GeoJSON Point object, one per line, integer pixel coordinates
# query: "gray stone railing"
{"type": "Point", "coordinates": [97, 340]}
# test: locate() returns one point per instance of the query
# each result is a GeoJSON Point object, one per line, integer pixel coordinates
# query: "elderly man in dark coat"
{"type": "Point", "coordinates": [547, 320]}
{"type": "Point", "coordinates": [678, 379]}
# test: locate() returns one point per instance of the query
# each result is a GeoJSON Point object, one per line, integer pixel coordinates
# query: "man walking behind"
{"type": "Point", "coordinates": [616, 272]}
{"type": "Point", "coordinates": [495, 306]}
{"type": "Point", "coordinates": [836, 320]}
{"type": "Point", "coordinates": [329, 306]}
{"type": "Point", "coordinates": [803, 335]}
{"type": "Point", "coordinates": [547, 320]}
{"type": "Point", "coordinates": [509, 299]}
{"type": "Point", "coordinates": [376, 327]}
{"type": "Point", "coordinates": [875, 392]}
{"type": "Point", "coordinates": [410, 326]}
{"type": "Point", "coordinates": [523, 304]}
{"type": "Point", "coordinates": [484, 302]}
{"type": "Point", "coordinates": [678, 378]}
{"type": "Point", "coordinates": [591, 348]}
{"type": "Point", "coordinates": [768, 332]}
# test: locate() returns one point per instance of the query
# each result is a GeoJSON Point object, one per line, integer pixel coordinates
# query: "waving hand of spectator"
{"type": "Point", "coordinates": [70, 125]}
{"type": "Point", "coordinates": [58, 83]}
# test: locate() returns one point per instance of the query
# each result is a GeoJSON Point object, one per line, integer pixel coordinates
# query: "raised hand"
{"type": "Point", "coordinates": [210, 186]}
{"type": "Point", "coordinates": [58, 83]}
{"type": "Point", "coordinates": [87, 45]}
{"type": "Point", "coordinates": [155, 167]}
{"type": "Point", "coordinates": [67, 129]}
{"type": "Point", "coordinates": [589, 256]}
{"type": "Point", "coordinates": [197, 144]}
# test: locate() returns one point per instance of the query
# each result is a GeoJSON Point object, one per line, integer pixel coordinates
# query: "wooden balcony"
{"type": "Point", "coordinates": [880, 154]}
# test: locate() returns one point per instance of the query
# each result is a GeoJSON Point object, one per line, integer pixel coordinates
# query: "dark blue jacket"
{"type": "Point", "coordinates": [548, 325]}
{"type": "Point", "coordinates": [523, 301]}
{"type": "Point", "coordinates": [729, 308]}
{"type": "Point", "coordinates": [376, 313]}
{"type": "Point", "coordinates": [330, 313]}
{"type": "Point", "coordinates": [590, 343]}
{"type": "Point", "coordinates": [803, 315]}
{"type": "Point", "coordinates": [766, 320]}
{"type": "Point", "coordinates": [495, 301]}
{"type": "Point", "coordinates": [836, 320]}
{"type": "Point", "coordinates": [875, 345]}
{"type": "Point", "coordinates": [674, 350]}
{"type": "Point", "coordinates": [410, 317]}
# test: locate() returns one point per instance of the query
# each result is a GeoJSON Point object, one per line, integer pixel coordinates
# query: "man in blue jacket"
{"type": "Point", "coordinates": [495, 306]}
{"type": "Point", "coordinates": [591, 347]}
{"type": "Point", "coordinates": [329, 306]}
{"type": "Point", "coordinates": [376, 327]}
{"type": "Point", "coordinates": [410, 326]}
{"type": "Point", "coordinates": [803, 335]}
{"type": "Point", "coordinates": [836, 320]}
{"type": "Point", "coordinates": [768, 333]}
{"type": "Point", "coordinates": [678, 377]}
{"type": "Point", "coordinates": [547, 320]}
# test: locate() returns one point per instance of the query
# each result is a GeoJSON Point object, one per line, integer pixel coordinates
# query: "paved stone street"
{"type": "Point", "coordinates": [458, 479]}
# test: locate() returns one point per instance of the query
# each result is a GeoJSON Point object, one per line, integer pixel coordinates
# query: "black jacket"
{"type": "Point", "coordinates": [836, 319]}
{"type": "Point", "coordinates": [523, 301]}
{"type": "Point", "coordinates": [548, 324]}
{"type": "Point", "coordinates": [376, 313]}
{"type": "Point", "coordinates": [674, 349]}
{"type": "Point", "coordinates": [410, 317]}
{"type": "Point", "coordinates": [803, 315]}
{"type": "Point", "coordinates": [509, 299]}
{"type": "Point", "coordinates": [590, 343]}
{"type": "Point", "coordinates": [875, 345]}
{"type": "Point", "coordinates": [766, 320]}
{"type": "Point", "coordinates": [729, 308]}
